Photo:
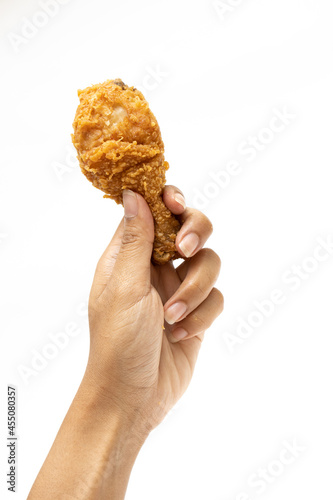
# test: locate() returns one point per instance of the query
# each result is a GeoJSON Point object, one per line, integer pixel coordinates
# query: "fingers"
{"type": "Point", "coordinates": [199, 275]}
{"type": "Point", "coordinates": [194, 232]}
{"type": "Point", "coordinates": [200, 319]}
{"type": "Point", "coordinates": [195, 304]}
{"type": "Point", "coordinates": [174, 199]}
{"type": "Point", "coordinates": [196, 227]}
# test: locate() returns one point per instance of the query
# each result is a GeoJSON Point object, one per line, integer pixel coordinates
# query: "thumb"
{"type": "Point", "coordinates": [132, 265]}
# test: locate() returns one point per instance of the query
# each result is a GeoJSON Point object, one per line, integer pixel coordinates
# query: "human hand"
{"type": "Point", "coordinates": [139, 313]}
{"type": "Point", "coordinates": [138, 366]}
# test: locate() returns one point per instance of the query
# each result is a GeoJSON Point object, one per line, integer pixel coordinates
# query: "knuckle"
{"type": "Point", "coordinates": [205, 222]}
{"type": "Point", "coordinates": [209, 225]}
{"type": "Point", "coordinates": [130, 237]}
{"type": "Point", "coordinates": [218, 299]}
{"type": "Point", "coordinates": [212, 256]}
{"type": "Point", "coordinates": [193, 287]}
{"type": "Point", "coordinates": [198, 323]}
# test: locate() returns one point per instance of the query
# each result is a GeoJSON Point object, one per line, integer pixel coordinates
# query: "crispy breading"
{"type": "Point", "coordinates": [119, 147]}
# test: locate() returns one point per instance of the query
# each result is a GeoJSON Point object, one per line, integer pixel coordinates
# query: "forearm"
{"type": "Point", "coordinates": [93, 453]}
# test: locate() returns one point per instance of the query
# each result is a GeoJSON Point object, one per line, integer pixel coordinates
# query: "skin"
{"type": "Point", "coordinates": [137, 370]}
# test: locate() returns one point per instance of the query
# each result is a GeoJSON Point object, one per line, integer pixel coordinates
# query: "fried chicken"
{"type": "Point", "coordinates": [119, 147]}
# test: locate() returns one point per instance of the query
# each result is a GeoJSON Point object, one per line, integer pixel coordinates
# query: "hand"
{"type": "Point", "coordinates": [147, 322]}
{"type": "Point", "coordinates": [138, 364]}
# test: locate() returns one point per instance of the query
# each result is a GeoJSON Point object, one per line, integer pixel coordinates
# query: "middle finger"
{"type": "Point", "coordinates": [201, 274]}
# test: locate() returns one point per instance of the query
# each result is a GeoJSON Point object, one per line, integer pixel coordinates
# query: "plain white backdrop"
{"type": "Point", "coordinates": [215, 74]}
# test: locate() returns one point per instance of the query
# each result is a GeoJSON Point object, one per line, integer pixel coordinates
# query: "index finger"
{"type": "Point", "coordinates": [174, 199]}
{"type": "Point", "coordinates": [196, 227]}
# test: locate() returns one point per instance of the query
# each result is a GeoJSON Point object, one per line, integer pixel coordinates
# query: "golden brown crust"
{"type": "Point", "coordinates": [119, 147]}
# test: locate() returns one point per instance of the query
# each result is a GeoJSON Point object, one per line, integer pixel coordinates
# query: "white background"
{"type": "Point", "coordinates": [219, 78]}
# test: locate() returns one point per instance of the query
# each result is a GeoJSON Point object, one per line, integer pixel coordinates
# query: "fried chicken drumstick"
{"type": "Point", "coordinates": [119, 147]}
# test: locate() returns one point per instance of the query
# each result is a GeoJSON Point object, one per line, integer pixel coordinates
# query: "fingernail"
{"type": "Point", "coordinates": [175, 312]}
{"type": "Point", "coordinates": [189, 244]}
{"type": "Point", "coordinates": [180, 199]}
{"type": "Point", "coordinates": [130, 203]}
{"type": "Point", "coordinates": [179, 334]}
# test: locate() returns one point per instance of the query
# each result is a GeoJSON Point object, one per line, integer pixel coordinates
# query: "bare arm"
{"type": "Point", "coordinates": [93, 453]}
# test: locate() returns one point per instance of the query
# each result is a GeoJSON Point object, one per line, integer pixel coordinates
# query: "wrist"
{"type": "Point", "coordinates": [109, 438]}
{"type": "Point", "coordinates": [103, 403]}
{"type": "Point", "coordinates": [104, 443]}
